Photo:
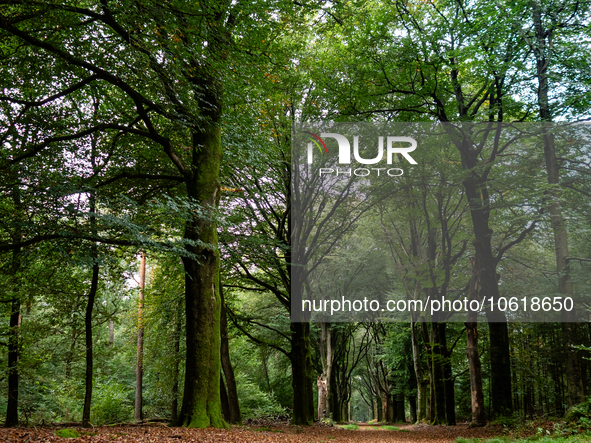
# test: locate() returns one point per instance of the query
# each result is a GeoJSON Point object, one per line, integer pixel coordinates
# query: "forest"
{"type": "Point", "coordinates": [171, 204]}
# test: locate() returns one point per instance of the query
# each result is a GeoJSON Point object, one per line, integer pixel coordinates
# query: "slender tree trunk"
{"type": "Point", "coordinates": [438, 377]}
{"type": "Point", "coordinates": [88, 316]}
{"type": "Point", "coordinates": [234, 408]}
{"type": "Point", "coordinates": [224, 399]}
{"type": "Point", "coordinates": [450, 395]}
{"type": "Point", "coordinates": [477, 393]}
{"type": "Point", "coordinates": [138, 414]}
{"type": "Point", "coordinates": [325, 344]}
{"type": "Point", "coordinates": [420, 375]}
{"type": "Point", "coordinates": [89, 348]}
{"type": "Point", "coordinates": [13, 375]}
{"type": "Point", "coordinates": [14, 324]}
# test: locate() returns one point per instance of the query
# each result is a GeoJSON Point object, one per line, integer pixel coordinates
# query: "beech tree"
{"type": "Point", "coordinates": [161, 68]}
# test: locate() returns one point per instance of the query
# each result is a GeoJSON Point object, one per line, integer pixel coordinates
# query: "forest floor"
{"type": "Point", "coordinates": [252, 434]}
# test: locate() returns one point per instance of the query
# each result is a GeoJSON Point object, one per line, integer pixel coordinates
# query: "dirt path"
{"type": "Point", "coordinates": [250, 434]}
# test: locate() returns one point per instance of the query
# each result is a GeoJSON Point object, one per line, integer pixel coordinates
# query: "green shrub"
{"type": "Point", "coordinates": [111, 404]}
{"type": "Point", "coordinates": [579, 411]}
{"type": "Point", "coordinates": [256, 403]}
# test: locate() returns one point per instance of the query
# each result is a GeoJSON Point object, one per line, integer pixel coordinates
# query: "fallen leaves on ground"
{"type": "Point", "coordinates": [249, 434]}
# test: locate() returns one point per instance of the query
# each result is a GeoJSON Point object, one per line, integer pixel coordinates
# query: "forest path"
{"type": "Point", "coordinates": [251, 434]}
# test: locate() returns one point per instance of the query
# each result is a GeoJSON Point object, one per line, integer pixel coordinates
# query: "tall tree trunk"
{"type": "Point", "coordinates": [301, 366]}
{"type": "Point", "coordinates": [476, 189]}
{"type": "Point", "coordinates": [420, 376]}
{"type": "Point", "coordinates": [14, 322]}
{"type": "Point", "coordinates": [234, 408]}
{"type": "Point", "coordinates": [565, 287]}
{"type": "Point", "coordinates": [224, 399]}
{"type": "Point", "coordinates": [477, 393]}
{"type": "Point", "coordinates": [88, 315]}
{"type": "Point", "coordinates": [89, 346]}
{"type": "Point", "coordinates": [450, 395]}
{"type": "Point", "coordinates": [438, 377]}
{"type": "Point", "coordinates": [201, 398]}
{"type": "Point", "coordinates": [13, 375]}
{"type": "Point", "coordinates": [138, 414]}
{"type": "Point", "coordinates": [325, 345]}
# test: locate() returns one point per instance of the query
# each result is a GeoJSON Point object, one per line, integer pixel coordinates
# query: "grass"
{"type": "Point", "coordinates": [350, 427]}
{"type": "Point", "coordinates": [390, 428]}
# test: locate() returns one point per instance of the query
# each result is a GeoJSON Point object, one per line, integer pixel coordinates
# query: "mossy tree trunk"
{"type": "Point", "coordinates": [201, 398]}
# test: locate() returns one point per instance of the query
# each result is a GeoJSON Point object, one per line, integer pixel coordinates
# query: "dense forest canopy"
{"type": "Point", "coordinates": [149, 204]}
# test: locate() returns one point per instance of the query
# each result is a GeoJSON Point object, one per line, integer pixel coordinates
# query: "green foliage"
{"type": "Point", "coordinates": [112, 403]}
{"type": "Point", "coordinates": [254, 402]}
{"type": "Point", "coordinates": [582, 410]}
{"type": "Point", "coordinates": [67, 433]}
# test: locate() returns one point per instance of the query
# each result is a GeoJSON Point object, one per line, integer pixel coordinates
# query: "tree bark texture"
{"type": "Point", "coordinates": [302, 382]}
{"type": "Point", "coordinates": [201, 397]}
